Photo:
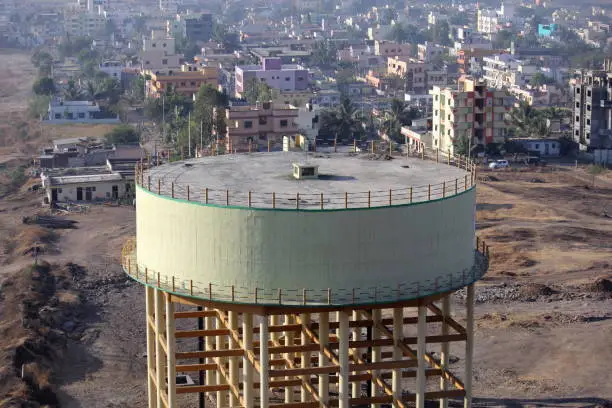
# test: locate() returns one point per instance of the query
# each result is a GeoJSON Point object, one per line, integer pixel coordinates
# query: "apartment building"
{"type": "Point", "coordinates": [80, 22]}
{"type": "Point", "coordinates": [284, 77]}
{"type": "Point", "coordinates": [471, 112]}
{"type": "Point", "coordinates": [592, 122]}
{"type": "Point", "coordinates": [159, 53]}
{"type": "Point", "coordinates": [428, 51]}
{"type": "Point", "coordinates": [420, 76]}
{"type": "Point", "coordinates": [198, 27]}
{"type": "Point", "coordinates": [386, 48]}
{"type": "Point", "coordinates": [505, 70]}
{"type": "Point", "coordinates": [253, 126]}
{"type": "Point", "coordinates": [487, 22]}
{"type": "Point", "coordinates": [112, 68]}
{"type": "Point", "coordinates": [187, 81]}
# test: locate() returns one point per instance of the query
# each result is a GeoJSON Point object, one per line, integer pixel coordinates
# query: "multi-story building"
{"type": "Point", "coordinates": [198, 27]}
{"type": "Point", "coordinates": [506, 70]}
{"type": "Point", "coordinates": [159, 53]}
{"type": "Point", "coordinates": [592, 124]}
{"type": "Point", "coordinates": [420, 76]}
{"type": "Point", "coordinates": [62, 111]}
{"type": "Point", "coordinates": [169, 6]}
{"type": "Point", "coordinates": [80, 23]}
{"type": "Point", "coordinates": [428, 51]}
{"type": "Point", "coordinates": [473, 114]}
{"type": "Point", "coordinates": [284, 77]}
{"type": "Point", "coordinates": [488, 22]}
{"type": "Point", "coordinates": [112, 68]}
{"type": "Point", "coordinates": [386, 48]}
{"type": "Point", "coordinates": [253, 126]}
{"type": "Point", "coordinates": [187, 81]}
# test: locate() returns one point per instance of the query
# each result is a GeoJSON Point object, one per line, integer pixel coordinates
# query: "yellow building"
{"type": "Point", "coordinates": [187, 81]}
{"type": "Point", "coordinates": [472, 112]}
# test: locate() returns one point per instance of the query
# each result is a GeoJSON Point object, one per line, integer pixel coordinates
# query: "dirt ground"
{"type": "Point", "coordinates": [543, 329]}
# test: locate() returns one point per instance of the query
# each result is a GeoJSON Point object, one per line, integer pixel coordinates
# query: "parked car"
{"type": "Point", "coordinates": [499, 164]}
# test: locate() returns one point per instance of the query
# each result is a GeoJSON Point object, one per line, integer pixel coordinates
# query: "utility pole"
{"type": "Point", "coordinates": [189, 133]}
{"type": "Point", "coordinates": [201, 138]}
{"type": "Point", "coordinates": [164, 117]}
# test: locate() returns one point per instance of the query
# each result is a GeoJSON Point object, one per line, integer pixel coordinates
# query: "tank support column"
{"type": "Point", "coordinates": [343, 354]}
{"type": "Point", "coordinates": [444, 352]}
{"type": "Point", "coordinates": [289, 357]}
{"type": "Point", "coordinates": [469, 345]}
{"type": "Point", "coordinates": [171, 350]}
{"type": "Point", "coordinates": [376, 356]}
{"type": "Point", "coordinates": [398, 326]}
{"type": "Point", "coordinates": [210, 324]}
{"type": "Point", "coordinates": [264, 361]}
{"type": "Point", "coordinates": [234, 362]}
{"type": "Point", "coordinates": [151, 341]}
{"type": "Point", "coordinates": [323, 343]}
{"type": "Point", "coordinates": [247, 333]}
{"type": "Point", "coordinates": [356, 385]}
{"type": "Point", "coordinates": [421, 380]}
{"type": "Point", "coordinates": [305, 358]}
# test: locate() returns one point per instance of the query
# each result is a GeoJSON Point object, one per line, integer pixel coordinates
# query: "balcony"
{"type": "Point", "coordinates": [605, 104]}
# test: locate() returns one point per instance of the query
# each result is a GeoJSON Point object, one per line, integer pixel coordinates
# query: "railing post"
{"type": "Point", "coordinates": [158, 279]}
{"type": "Point", "coordinates": [297, 201]}
{"type": "Point", "coordinates": [149, 183]}
{"type": "Point", "coordinates": [329, 296]}
{"type": "Point", "coordinates": [188, 195]}
{"type": "Point", "coordinates": [269, 145]}
{"type": "Point", "coordinates": [206, 195]}
{"type": "Point", "coordinates": [249, 198]}
{"type": "Point", "coordinates": [321, 200]}
{"type": "Point", "coordinates": [210, 296]}
{"type": "Point", "coordinates": [456, 185]}
{"type": "Point", "coordinates": [226, 197]}
{"type": "Point", "coordinates": [465, 183]}
{"type": "Point", "coordinates": [273, 200]}
{"type": "Point", "coordinates": [444, 189]}
{"type": "Point", "coordinates": [369, 198]}
{"type": "Point", "coordinates": [158, 186]}
{"type": "Point", "coordinates": [449, 154]}
{"type": "Point", "coordinates": [173, 285]}
{"type": "Point", "coordinates": [173, 189]}
{"type": "Point", "coordinates": [390, 197]}
{"type": "Point", "coordinates": [280, 296]}
{"type": "Point", "coordinates": [191, 287]}
{"type": "Point", "coordinates": [345, 200]}
{"type": "Point", "coordinates": [437, 155]}
{"type": "Point", "coordinates": [146, 275]}
{"type": "Point", "coordinates": [428, 192]}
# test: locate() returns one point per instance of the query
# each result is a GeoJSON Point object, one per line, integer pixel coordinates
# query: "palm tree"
{"type": "Point", "coordinates": [344, 121]}
{"type": "Point", "coordinates": [72, 92]}
{"type": "Point", "coordinates": [528, 120]}
{"type": "Point", "coordinates": [397, 116]}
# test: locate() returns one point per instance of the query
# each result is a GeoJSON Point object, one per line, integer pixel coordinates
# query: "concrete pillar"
{"type": "Point", "coordinates": [376, 357]}
{"type": "Point", "coordinates": [421, 380]}
{"type": "Point", "coordinates": [343, 356]}
{"type": "Point", "coordinates": [234, 362]}
{"type": "Point", "coordinates": [398, 336]}
{"type": "Point", "coordinates": [211, 344]}
{"type": "Point", "coordinates": [222, 396]}
{"type": "Point", "coordinates": [150, 306]}
{"type": "Point", "coordinates": [324, 342]}
{"type": "Point", "coordinates": [264, 360]}
{"type": "Point", "coordinates": [290, 356]}
{"type": "Point", "coordinates": [469, 346]}
{"type": "Point", "coordinates": [305, 358]}
{"type": "Point", "coordinates": [171, 347]}
{"type": "Point", "coordinates": [444, 350]}
{"type": "Point", "coordinates": [160, 376]}
{"type": "Point", "coordinates": [247, 336]}
{"type": "Point", "coordinates": [356, 385]}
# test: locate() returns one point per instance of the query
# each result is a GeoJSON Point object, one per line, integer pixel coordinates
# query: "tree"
{"type": "Point", "coordinates": [72, 92]}
{"type": "Point", "coordinates": [397, 116]}
{"type": "Point", "coordinates": [503, 39]}
{"type": "Point", "coordinates": [439, 33]}
{"type": "Point", "coordinates": [343, 122]}
{"type": "Point", "coordinates": [43, 61]}
{"type": "Point", "coordinates": [122, 134]}
{"type": "Point", "coordinates": [528, 121]}
{"type": "Point", "coordinates": [44, 86]}
{"type": "Point", "coordinates": [256, 90]}
{"type": "Point", "coordinates": [324, 55]}
{"type": "Point", "coordinates": [539, 79]}
{"type": "Point", "coordinates": [397, 34]}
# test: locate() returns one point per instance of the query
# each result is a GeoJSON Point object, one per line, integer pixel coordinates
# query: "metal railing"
{"type": "Point", "coordinates": [217, 292]}
{"type": "Point", "coordinates": [319, 201]}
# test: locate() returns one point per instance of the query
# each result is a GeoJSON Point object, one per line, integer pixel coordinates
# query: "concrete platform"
{"type": "Point", "coordinates": [265, 173]}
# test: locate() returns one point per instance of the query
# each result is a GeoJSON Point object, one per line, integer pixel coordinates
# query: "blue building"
{"type": "Point", "coordinates": [547, 30]}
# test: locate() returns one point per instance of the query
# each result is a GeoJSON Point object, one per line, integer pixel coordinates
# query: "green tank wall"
{"type": "Point", "coordinates": [317, 250]}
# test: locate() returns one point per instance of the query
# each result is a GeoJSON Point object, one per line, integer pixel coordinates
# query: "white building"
{"type": "Point", "coordinates": [504, 70]}
{"type": "Point", "coordinates": [93, 184]}
{"type": "Point", "coordinates": [61, 111]}
{"type": "Point", "coordinates": [112, 68]}
{"type": "Point", "coordinates": [159, 53]}
{"type": "Point", "coordinates": [488, 22]}
{"type": "Point", "coordinates": [80, 22]}
{"type": "Point", "coordinates": [545, 147]}
{"type": "Point", "coordinates": [429, 51]}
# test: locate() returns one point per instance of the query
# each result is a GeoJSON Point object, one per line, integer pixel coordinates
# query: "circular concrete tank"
{"type": "Point", "coordinates": [241, 228]}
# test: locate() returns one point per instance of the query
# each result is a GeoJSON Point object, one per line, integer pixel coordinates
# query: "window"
{"type": "Point", "coordinates": [164, 45]}
{"type": "Point", "coordinates": [577, 104]}
{"type": "Point", "coordinates": [300, 78]}
{"type": "Point", "coordinates": [263, 120]}
{"type": "Point", "coordinates": [588, 135]}
{"type": "Point", "coordinates": [58, 116]}
{"type": "Point", "coordinates": [589, 107]}
{"type": "Point", "coordinates": [59, 190]}
{"type": "Point", "coordinates": [554, 146]}
{"type": "Point", "coordinates": [183, 83]}
{"type": "Point", "coordinates": [588, 92]}
{"type": "Point", "coordinates": [577, 133]}
{"type": "Point", "coordinates": [588, 121]}
{"type": "Point", "coordinates": [577, 118]}
{"type": "Point", "coordinates": [147, 62]}
{"type": "Point", "coordinates": [577, 90]}
{"type": "Point", "coordinates": [164, 62]}
{"type": "Point", "coordinates": [81, 115]}
{"type": "Point", "coordinates": [192, 83]}
{"type": "Point", "coordinates": [283, 123]}
{"type": "Point", "coordinates": [287, 78]}
{"type": "Point", "coordinates": [248, 124]}
{"type": "Point", "coordinates": [153, 45]}
{"type": "Point", "coordinates": [537, 146]}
